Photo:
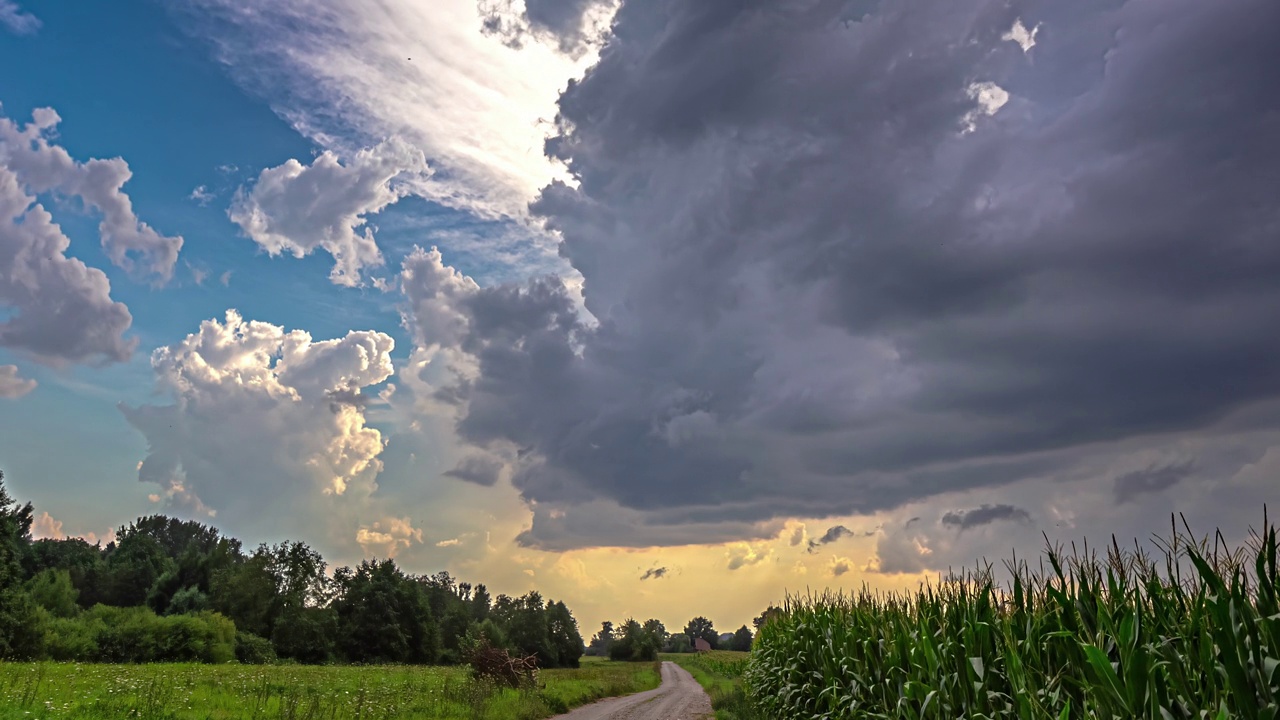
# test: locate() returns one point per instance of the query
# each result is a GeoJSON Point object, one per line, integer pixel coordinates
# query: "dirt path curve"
{"type": "Point", "coordinates": [678, 698]}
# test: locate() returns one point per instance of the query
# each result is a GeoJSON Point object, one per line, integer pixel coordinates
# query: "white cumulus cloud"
{"type": "Point", "coordinates": [298, 208]}
{"type": "Point", "coordinates": [267, 427]}
{"type": "Point", "coordinates": [388, 536]}
{"type": "Point", "coordinates": [44, 167]}
{"type": "Point", "coordinates": [13, 385]}
{"type": "Point", "coordinates": [59, 309]}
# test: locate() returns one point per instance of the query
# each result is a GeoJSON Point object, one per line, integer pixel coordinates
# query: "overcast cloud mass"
{"type": "Point", "coordinates": [829, 274]}
{"type": "Point", "coordinates": [627, 298]}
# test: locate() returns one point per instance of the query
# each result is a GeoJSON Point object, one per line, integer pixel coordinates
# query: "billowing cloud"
{"type": "Point", "coordinates": [797, 535]}
{"type": "Point", "coordinates": [744, 554]}
{"type": "Point", "coordinates": [984, 515]}
{"type": "Point", "coordinates": [13, 385]}
{"type": "Point", "coordinates": [298, 208]}
{"type": "Point", "coordinates": [969, 262]}
{"type": "Point", "coordinates": [478, 469]}
{"type": "Point", "coordinates": [387, 537]}
{"type": "Point", "coordinates": [58, 309]}
{"type": "Point", "coordinates": [16, 20]}
{"type": "Point", "coordinates": [839, 566]}
{"type": "Point", "coordinates": [254, 432]}
{"type": "Point", "coordinates": [46, 527]}
{"type": "Point", "coordinates": [573, 25]}
{"type": "Point", "coordinates": [42, 167]}
{"type": "Point", "coordinates": [1152, 479]}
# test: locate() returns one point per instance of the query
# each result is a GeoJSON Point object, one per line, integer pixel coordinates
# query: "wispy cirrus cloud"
{"type": "Point", "coordinates": [16, 20]}
{"type": "Point", "coordinates": [352, 75]}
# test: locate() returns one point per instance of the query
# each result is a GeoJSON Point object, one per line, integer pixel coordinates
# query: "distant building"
{"type": "Point", "coordinates": [701, 645]}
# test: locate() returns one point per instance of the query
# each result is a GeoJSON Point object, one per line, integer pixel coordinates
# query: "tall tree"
{"type": "Point", "coordinates": [383, 616]}
{"type": "Point", "coordinates": [248, 594]}
{"type": "Point", "coordinates": [769, 613]}
{"type": "Point", "coordinates": [82, 561]}
{"type": "Point", "coordinates": [634, 643]}
{"type": "Point", "coordinates": [133, 566]}
{"type": "Point", "coordinates": [741, 640]}
{"type": "Point", "coordinates": [526, 628]}
{"type": "Point", "coordinates": [700, 627]}
{"type": "Point", "coordinates": [19, 635]}
{"type": "Point", "coordinates": [602, 640]}
{"type": "Point", "coordinates": [656, 629]}
{"type": "Point", "coordinates": [566, 641]}
{"type": "Point", "coordinates": [299, 572]}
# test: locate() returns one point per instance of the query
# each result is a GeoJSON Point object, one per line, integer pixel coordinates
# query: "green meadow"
{"type": "Point", "coordinates": [297, 692]}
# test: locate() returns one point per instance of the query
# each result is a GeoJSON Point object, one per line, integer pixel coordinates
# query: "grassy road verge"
{"type": "Point", "coordinates": [221, 692]}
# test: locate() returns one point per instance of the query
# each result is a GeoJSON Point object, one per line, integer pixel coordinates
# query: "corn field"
{"type": "Point", "coordinates": [1189, 631]}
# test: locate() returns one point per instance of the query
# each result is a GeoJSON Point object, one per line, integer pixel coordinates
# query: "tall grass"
{"type": "Point", "coordinates": [296, 692]}
{"type": "Point", "coordinates": [1192, 631]}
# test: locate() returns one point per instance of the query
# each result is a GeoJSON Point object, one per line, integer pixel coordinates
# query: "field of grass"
{"type": "Point", "coordinates": [291, 692]}
{"type": "Point", "coordinates": [1192, 634]}
{"type": "Point", "coordinates": [720, 673]}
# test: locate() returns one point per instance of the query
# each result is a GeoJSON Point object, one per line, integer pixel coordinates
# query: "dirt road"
{"type": "Point", "coordinates": [678, 698]}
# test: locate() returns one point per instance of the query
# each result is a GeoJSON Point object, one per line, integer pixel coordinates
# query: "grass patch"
{"type": "Point", "coordinates": [719, 672]}
{"type": "Point", "coordinates": [292, 692]}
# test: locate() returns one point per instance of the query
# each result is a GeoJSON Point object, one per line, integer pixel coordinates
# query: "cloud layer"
{"type": "Point", "coordinates": [843, 258]}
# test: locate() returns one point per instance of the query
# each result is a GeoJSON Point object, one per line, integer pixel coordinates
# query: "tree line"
{"type": "Point", "coordinates": [636, 641]}
{"type": "Point", "coordinates": [176, 590]}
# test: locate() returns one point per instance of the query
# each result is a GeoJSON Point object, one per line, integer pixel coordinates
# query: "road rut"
{"type": "Point", "coordinates": [678, 698]}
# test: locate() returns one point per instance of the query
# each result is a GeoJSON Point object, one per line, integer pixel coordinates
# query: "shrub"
{"type": "Point", "coordinates": [254, 650]}
{"type": "Point", "coordinates": [109, 634]}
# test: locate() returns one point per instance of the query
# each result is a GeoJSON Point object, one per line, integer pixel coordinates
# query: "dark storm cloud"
{"type": "Point", "coordinates": [1150, 480]}
{"type": "Point", "coordinates": [654, 573]}
{"type": "Point", "coordinates": [478, 469]}
{"type": "Point", "coordinates": [346, 397]}
{"type": "Point", "coordinates": [835, 533]}
{"type": "Point", "coordinates": [562, 20]}
{"type": "Point", "coordinates": [984, 515]}
{"type": "Point", "coordinates": [829, 279]}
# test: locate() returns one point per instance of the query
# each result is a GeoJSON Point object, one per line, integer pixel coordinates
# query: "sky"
{"type": "Point", "coordinates": [662, 308]}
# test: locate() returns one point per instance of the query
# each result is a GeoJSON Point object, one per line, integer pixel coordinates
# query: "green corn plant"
{"type": "Point", "coordinates": [1192, 635]}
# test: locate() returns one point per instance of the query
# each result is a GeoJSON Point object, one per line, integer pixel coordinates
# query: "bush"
{"type": "Point", "coordinates": [305, 634]}
{"type": "Point", "coordinates": [20, 633]}
{"type": "Point", "coordinates": [70, 639]}
{"type": "Point", "coordinates": [254, 650]}
{"type": "Point", "coordinates": [109, 634]}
